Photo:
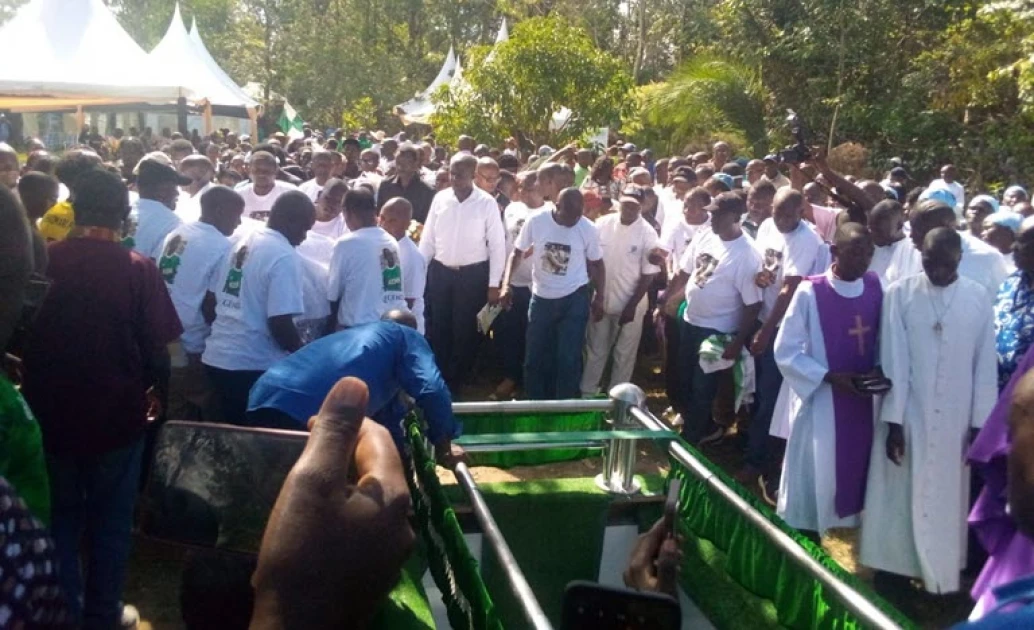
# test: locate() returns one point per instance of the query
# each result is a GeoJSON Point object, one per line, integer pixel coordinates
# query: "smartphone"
{"type": "Point", "coordinates": [591, 606]}
{"type": "Point", "coordinates": [214, 485]}
{"type": "Point", "coordinates": [873, 385]}
{"type": "Point", "coordinates": [671, 506]}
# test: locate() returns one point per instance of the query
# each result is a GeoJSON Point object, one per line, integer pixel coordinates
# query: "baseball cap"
{"type": "Point", "coordinates": [150, 172]}
{"type": "Point", "coordinates": [727, 202]}
{"type": "Point", "coordinates": [772, 157]}
{"type": "Point", "coordinates": [628, 147]}
{"type": "Point", "coordinates": [545, 150]}
{"type": "Point", "coordinates": [725, 178]}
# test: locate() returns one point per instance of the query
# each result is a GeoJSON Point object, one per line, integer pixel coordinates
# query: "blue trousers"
{"type": "Point", "coordinates": [510, 330]}
{"type": "Point", "coordinates": [556, 337]}
{"type": "Point", "coordinates": [769, 380]}
{"type": "Point", "coordinates": [696, 389]}
{"type": "Point", "coordinates": [95, 496]}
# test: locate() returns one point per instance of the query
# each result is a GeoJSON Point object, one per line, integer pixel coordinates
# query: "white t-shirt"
{"type": "Point", "coordinates": [799, 253]}
{"type": "Point", "coordinates": [317, 248]}
{"type": "Point", "coordinates": [316, 306]}
{"type": "Point", "coordinates": [559, 254]}
{"type": "Point", "coordinates": [676, 237]}
{"type": "Point", "coordinates": [188, 207]}
{"type": "Point", "coordinates": [191, 255]}
{"type": "Point", "coordinates": [414, 277]}
{"type": "Point", "coordinates": [365, 276]}
{"type": "Point", "coordinates": [514, 217]}
{"type": "Point", "coordinates": [259, 279]}
{"type": "Point", "coordinates": [333, 229]}
{"type": "Point", "coordinates": [258, 206]}
{"type": "Point", "coordinates": [148, 224]}
{"type": "Point", "coordinates": [311, 188]}
{"type": "Point", "coordinates": [626, 249]}
{"type": "Point", "coordinates": [721, 280]}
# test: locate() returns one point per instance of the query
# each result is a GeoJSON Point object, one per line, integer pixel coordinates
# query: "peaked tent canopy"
{"type": "Point", "coordinates": [418, 109]}
{"type": "Point", "coordinates": [179, 57]}
{"type": "Point", "coordinates": [213, 66]}
{"type": "Point", "coordinates": [80, 56]}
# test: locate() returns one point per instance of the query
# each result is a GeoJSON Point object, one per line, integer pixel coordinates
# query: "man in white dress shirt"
{"type": "Point", "coordinates": [153, 214]}
{"type": "Point", "coordinates": [394, 219]}
{"type": "Point", "coordinates": [465, 246]}
{"type": "Point", "coordinates": [321, 166]}
{"type": "Point", "coordinates": [628, 242]}
{"type": "Point", "coordinates": [264, 188]}
{"type": "Point", "coordinates": [258, 292]}
{"type": "Point", "coordinates": [365, 271]}
{"type": "Point", "coordinates": [937, 346]}
{"type": "Point", "coordinates": [191, 256]}
{"type": "Point", "coordinates": [827, 454]}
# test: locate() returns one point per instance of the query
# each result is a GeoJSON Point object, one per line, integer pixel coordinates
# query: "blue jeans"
{"type": "Point", "coordinates": [511, 328]}
{"type": "Point", "coordinates": [769, 380]}
{"type": "Point", "coordinates": [94, 495]}
{"type": "Point", "coordinates": [556, 336]}
{"type": "Point", "coordinates": [696, 389]}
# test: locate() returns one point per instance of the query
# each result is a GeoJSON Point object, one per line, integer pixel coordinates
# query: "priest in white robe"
{"type": "Point", "coordinates": [824, 470]}
{"type": "Point", "coordinates": [981, 263]}
{"type": "Point", "coordinates": [937, 347]}
{"type": "Point", "coordinates": [895, 255]}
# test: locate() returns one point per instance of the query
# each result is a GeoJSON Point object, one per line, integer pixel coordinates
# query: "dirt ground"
{"type": "Point", "coordinates": [154, 573]}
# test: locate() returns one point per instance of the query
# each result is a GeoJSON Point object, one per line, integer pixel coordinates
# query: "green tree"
{"type": "Point", "coordinates": [515, 88]}
{"type": "Point", "coordinates": [703, 100]}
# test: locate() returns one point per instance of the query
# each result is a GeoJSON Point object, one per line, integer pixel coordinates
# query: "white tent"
{"type": "Point", "coordinates": [76, 54]}
{"type": "Point", "coordinates": [213, 66]}
{"type": "Point", "coordinates": [418, 109]}
{"type": "Point", "coordinates": [178, 55]}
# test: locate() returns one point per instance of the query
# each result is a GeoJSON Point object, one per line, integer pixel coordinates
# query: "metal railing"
{"type": "Point", "coordinates": [627, 407]}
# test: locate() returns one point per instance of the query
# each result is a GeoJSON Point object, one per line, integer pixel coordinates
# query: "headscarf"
{"type": "Point", "coordinates": [989, 200]}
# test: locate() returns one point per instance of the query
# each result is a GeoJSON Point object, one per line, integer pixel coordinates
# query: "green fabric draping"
{"type": "Point", "coordinates": [757, 565]}
{"type": "Point", "coordinates": [453, 568]}
{"type": "Point", "coordinates": [21, 452]}
{"type": "Point", "coordinates": [531, 423]}
{"type": "Point", "coordinates": [407, 605]}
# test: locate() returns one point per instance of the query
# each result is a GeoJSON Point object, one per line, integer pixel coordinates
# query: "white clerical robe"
{"type": "Point", "coordinates": [895, 261]}
{"type": "Point", "coordinates": [807, 490]}
{"type": "Point", "coordinates": [981, 263]}
{"type": "Point", "coordinates": [944, 384]}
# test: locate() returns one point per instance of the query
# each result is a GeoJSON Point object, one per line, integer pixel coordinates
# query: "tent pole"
{"type": "Point", "coordinates": [208, 118]}
{"type": "Point", "coordinates": [181, 116]}
{"type": "Point", "coordinates": [253, 116]}
{"type": "Point", "coordinates": [80, 119]}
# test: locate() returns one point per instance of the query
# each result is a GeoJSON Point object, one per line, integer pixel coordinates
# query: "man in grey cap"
{"type": "Point", "coordinates": [153, 215]}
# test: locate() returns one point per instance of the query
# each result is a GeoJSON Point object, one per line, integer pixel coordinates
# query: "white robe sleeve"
{"type": "Point", "coordinates": [985, 373]}
{"type": "Point", "coordinates": [793, 352]}
{"type": "Point", "coordinates": [894, 354]}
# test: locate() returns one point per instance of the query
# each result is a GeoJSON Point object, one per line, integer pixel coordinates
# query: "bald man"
{"type": "Point", "coordinates": [395, 217]}
{"type": "Point", "coordinates": [464, 243]}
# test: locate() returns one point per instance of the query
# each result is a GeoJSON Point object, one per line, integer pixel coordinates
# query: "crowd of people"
{"type": "Point", "coordinates": [858, 332]}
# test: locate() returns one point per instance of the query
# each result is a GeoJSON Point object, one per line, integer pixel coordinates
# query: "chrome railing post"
{"type": "Point", "coordinates": [619, 456]}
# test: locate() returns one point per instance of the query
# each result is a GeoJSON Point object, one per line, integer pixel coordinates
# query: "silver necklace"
{"type": "Point", "coordinates": [938, 326]}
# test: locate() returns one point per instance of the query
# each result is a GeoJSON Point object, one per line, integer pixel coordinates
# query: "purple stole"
{"type": "Point", "coordinates": [849, 330]}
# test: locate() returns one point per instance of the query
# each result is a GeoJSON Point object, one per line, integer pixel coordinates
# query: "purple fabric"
{"type": "Point", "coordinates": [850, 329]}
{"type": "Point", "coordinates": [1010, 553]}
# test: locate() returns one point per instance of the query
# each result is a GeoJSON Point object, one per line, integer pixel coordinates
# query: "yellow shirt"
{"type": "Point", "coordinates": [57, 222]}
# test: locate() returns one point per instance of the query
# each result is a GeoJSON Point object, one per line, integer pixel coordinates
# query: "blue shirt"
{"type": "Point", "coordinates": [388, 357]}
{"type": "Point", "coordinates": [1014, 323]}
{"type": "Point", "coordinates": [1017, 593]}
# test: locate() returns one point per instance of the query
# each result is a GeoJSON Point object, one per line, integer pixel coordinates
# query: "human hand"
{"type": "Point", "coordinates": [506, 298]}
{"type": "Point", "coordinates": [154, 405]}
{"type": "Point", "coordinates": [657, 256]}
{"type": "Point", "coordinates": [655, 561]}
{"type": "Point", "coordinates": [596, 308]}
{"type": "Point", "coordinates": [764, 279]}
{"type": "Point", "coordinates": [732, 350]}
{"type": "Point", "coordinates": [843, 382]}
{"type": "Point", "coordinates": [896, 444]}
{"type": "Point", "coordinates": [760, 342]}
{"type": "Point", "coordinates": [627, 315]}
{"type": "Point", "coordinates": [335, 544]}
{"type": "Point", "coordinates": [449, 454]}
{"type": "Point", "coordinates": [493, 295]}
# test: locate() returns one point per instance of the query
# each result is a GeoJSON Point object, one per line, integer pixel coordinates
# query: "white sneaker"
{"type": "Point", "coordinates": [130, 617]}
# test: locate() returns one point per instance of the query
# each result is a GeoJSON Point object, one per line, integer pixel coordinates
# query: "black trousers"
{"type": "Point", "coordinates": [231, 390]}
{"type": "Point", "coordinates": [453, 298]}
